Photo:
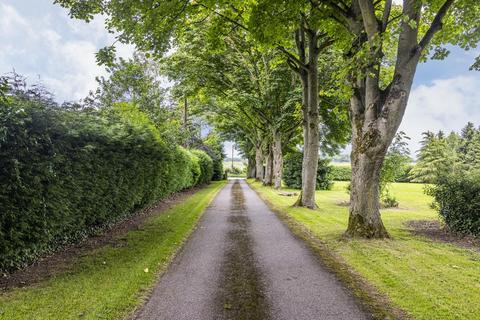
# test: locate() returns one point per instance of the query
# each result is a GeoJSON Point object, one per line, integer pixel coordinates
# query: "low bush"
{"type": "Point", "coordinates": [457, 198]}
{"type": "Point", "coordinates": [65, 174]}
{"type": "Point", "coordinates": [340, 173]}
{"type": "Point", "coordinates": [292, 172]}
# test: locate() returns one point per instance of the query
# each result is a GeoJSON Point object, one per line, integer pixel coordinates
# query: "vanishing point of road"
{"type": "Point", "coordinates": [242, 262]}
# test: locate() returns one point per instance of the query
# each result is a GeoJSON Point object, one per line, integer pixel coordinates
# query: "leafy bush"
{"type": "Point", "coordinates": [457, 198]}
{"type": "Point", "coordinates": [65, 174]}
{"type": "Point", "coordinates": [340, 173]}
{"type": "Point", "coordinates": [292, 172]}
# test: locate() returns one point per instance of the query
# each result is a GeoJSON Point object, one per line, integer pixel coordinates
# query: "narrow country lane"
{"type": "Point", "coordinates": [243, 263]}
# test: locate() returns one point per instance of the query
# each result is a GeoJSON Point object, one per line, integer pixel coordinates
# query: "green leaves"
{"type": "Point", "coordinates": [66, 174]}
{"type": "Point", "coordinates": [106, 56]}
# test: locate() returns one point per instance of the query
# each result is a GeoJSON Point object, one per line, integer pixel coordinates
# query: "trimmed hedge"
{"type": "Point", "coordinates": [340, 173]}
{"type": "Point", "coordinates": [344, 173]}
{"type": "Point", "coordinates": [457, 198]}
{"type": "Point", "coordinates": [292, 172]}
{"type": "Point", "coordinates": [205, 165]}
{"type": "Point", "coordinates": [66, 174]}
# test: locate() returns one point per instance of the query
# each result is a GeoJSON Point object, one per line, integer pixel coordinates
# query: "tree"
{"type": "Point", "coordinates": [438, 154]}
{"type": "Point", "coordinates": [270, 21]}
{"type": "Point", "coordinates": [469, 145]}
{"type": "Point", "coordinates": [396, 161]}
{"type": "Point", "coordinates": [383, 44]}
{"type": "Point", "coordinates": [159, 24]}
{"type": "Point", "coordinates": [245, 92]}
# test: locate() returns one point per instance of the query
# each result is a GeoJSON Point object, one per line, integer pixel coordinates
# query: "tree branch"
{"type": "Point", "coordinates": [295, 60]}
{"type": "Point", "coordinates": [238, 24]}
{"type": "Point", "coordinates": [386, 14]}
{"type": "Point", "coordinates": [370, 21]}
{"type": "Point", "coordinates": [436, 25]}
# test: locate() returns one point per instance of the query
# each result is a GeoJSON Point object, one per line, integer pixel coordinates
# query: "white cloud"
{"type": "Point", "coordinates": [59, 50]}
{"type": "Point", "coordinates": [445, 104]}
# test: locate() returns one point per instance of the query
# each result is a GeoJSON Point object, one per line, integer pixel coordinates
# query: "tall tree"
{"type": "Point", "coordinates": [383, 44]}
{"type": "Point", "coordinates": [155, 25]}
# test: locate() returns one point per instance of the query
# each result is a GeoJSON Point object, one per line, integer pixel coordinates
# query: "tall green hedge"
{"type": "Point", "coordinates": [65, 174]}
{"type": "Point", "coordinates": [344, 173]}
{"type": "Point", "coordinates": [292, 172]}
{"type": "Point", "coordinates": [206, 166]}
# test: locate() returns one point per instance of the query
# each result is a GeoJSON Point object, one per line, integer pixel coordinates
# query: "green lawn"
{"type": "Point", "coordinates": [427, 279]}
{"type": "Point", "coordinates": [110, 282]}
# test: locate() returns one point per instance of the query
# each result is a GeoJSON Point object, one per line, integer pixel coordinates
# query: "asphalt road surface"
{"type": "Point", "coordinates": [242, 262]}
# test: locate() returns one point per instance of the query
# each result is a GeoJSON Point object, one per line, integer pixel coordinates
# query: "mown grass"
{"type": "Point", "coordinates": [427, 279]}
{"type": "Point", "coordinates": [110, 282]}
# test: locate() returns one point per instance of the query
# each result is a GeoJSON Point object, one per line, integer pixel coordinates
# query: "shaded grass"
{"type": "Point", "coordinates": [110, 282]}
{"type": "Point", "coordinates": [427, 279]}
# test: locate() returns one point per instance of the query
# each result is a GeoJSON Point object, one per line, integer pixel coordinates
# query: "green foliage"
{"type": "Point", "coordinates": [340, 173]}
{"type": "Point", "coordinates": [457, 198]}
{"type": "Point", "coordinates": [394, 166]}
{"type": "Point", "coordinates": [65, 174]}
{"type": "Point", "coordinates": [442, 154]}
{"type": "Point", "coordinates": [206, 167]}
{"type": "Point", "coordinates": [404, 175]}
{"type": "Point", "coordinates": [292, 172]}
{"type": "Point", "coordinates": [213, 146]}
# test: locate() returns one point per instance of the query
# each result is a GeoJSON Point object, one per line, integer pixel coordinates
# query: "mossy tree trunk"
{"type": "Point", "coordinates": [277, 159]}
{"type": "Point", "coordinates": [268, 179]}
{"type": "Point", "coordinates": [259, 157]}
{"type": "Point", "coordinates": [365, 220]}
{"type": "Point", "coordinates": [250, 168]}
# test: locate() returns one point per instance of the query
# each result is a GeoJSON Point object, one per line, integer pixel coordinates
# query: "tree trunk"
{"type": "Point", "coordinates": [250, 168]}
{"type": "Point", "coordinates": [259, 162]}
{"type": "Point", "coordinates": [376, 113]}
{"type": "Point", "coordinates": [365, 220]}
{"type": "Point", "coordinates": [373, 127]}
{"type": "Point", "coordinates": [277, 160]}
{"type": "Point", "coordinates": [267, 181]}
{"type": "Point", "coordinates": [311, 146]}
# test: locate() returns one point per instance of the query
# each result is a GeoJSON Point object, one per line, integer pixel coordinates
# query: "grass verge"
{"type": "Point", "coordinates": [110, 282]}
{"type": "Point", "coordinates": [426, 279]}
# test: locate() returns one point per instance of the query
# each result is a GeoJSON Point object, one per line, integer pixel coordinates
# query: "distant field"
{"type": "Point", "coordinates": [237, 164]}
{"type": "Point", "coordinates": [340, 164]}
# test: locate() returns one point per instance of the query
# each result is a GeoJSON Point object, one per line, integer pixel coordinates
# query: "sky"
{"type": "Point", "coordinates": [41, 42]}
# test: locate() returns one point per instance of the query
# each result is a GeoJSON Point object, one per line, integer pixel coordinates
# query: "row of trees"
{"type": "Point", "coordinates": [358, 54]}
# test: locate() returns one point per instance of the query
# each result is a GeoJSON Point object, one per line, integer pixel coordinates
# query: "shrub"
{"type": "Point", "coordinates": [65, 174]}
{"type": "Point", "coordinates": [340, 173]}
{"type": "Point", "coordinates": [457, 198]}
{"type": "Point", "coordinates": [292, 172]}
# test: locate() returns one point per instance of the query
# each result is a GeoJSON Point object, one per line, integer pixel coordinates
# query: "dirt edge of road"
{"type": "Point", "coordinates": [374, 303]}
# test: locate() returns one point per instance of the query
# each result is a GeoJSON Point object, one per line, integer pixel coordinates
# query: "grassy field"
{"type": "Point", "coordinates": [427, 279]}
{"type": "Point", "coordinates": [110, 282]}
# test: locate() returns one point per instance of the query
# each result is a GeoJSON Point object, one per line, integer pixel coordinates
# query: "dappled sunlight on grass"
{"type": "Point", "coordinates": [429, 280]}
